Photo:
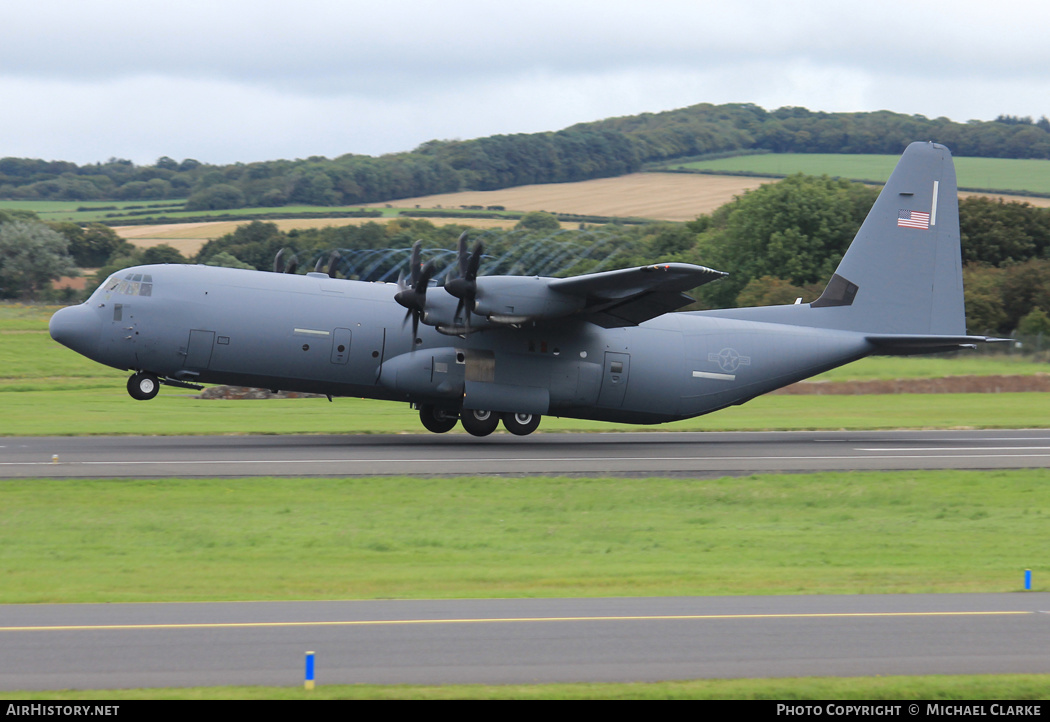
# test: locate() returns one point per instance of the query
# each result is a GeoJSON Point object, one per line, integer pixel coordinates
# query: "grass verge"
{"type": "Point", "coordinates": [398, 537]}
{"type": "Point", "coordinates": [83, 407]}
{"type": "Point", "coordinates": [1014, 687]}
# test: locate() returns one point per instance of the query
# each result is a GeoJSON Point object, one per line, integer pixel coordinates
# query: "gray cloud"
{"type": "Point", "coordinates": [225, 81]}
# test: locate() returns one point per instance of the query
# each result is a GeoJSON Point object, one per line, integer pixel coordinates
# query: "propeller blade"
{"type": "Point", "coordinates": [413, 262]}
{"type": "Point", "coordinates": [279, 265]}
{"type": "Point", "coordinates": [333, 260]}
{"type": "Point", "coordinates": [475, 261]}
{"type": "Point", "coordinates": [425, 275]}
{"type": "Point", "coordinates": [462, 253]}
{"type": "Point", "coordinates": [413, 294]}
{"type": "Point", "coordinates": [465, 287]}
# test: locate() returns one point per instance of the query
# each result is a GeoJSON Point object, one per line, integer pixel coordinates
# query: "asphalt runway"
{"type": "Point", "coordinates": [700, 455]}
{"type": "Point", "coordinates": [521, 641]}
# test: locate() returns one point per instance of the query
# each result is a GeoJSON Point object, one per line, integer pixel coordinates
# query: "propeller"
{"type": "Point", "coordinates": [465, 287]}
{"type": "Point", "coordinates": [332, 261]}
{"type": "Point", "coordinates": [279, 265]}
{"type": "Point", "coordinates": [413, 295]}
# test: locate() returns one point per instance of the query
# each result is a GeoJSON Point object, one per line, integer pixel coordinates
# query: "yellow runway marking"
{"type": "Point", "coordinates": [496, 620]}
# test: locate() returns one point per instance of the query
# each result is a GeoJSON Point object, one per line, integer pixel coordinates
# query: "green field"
{"type": "Point", "coordinates": [127, 213]}
{"type": "Point", "coordinates": [126, 540]}
{"type": "Point", "coordinates": [1014, 687]}
{"type": "Point", "coordinates": [1003, 174]}
{"type": "Point", "coordinates": [122, 212]}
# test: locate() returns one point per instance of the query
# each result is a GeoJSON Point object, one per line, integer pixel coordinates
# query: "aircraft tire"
{"type": "Point", "coordinates": [521, 424]}
{"type": "Point", "coordinates": [479, 423]}
{"type": "Point", "coordinates": [143, 386]}
{"type": "Point", "coordinates": [436, 420]}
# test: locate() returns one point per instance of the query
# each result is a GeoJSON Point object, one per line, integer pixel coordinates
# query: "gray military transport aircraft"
{"type": "Point", "coordinates": [600, 346]}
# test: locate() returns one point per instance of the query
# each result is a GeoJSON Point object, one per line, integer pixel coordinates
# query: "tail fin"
{"type": "Point", "coordinates": [903, 272]}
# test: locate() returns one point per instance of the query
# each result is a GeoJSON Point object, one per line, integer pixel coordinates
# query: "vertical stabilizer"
{"type": "Point", "coordinates": [903, 272]}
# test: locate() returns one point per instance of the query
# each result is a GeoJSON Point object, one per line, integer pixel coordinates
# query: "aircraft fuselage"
{"type": "Point", "coordinates": [348, 338]}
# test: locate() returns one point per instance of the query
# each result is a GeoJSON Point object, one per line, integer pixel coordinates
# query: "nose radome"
{"type": "Point", "coordinates": [78, 328]}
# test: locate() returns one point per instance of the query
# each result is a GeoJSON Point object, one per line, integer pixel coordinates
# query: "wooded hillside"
{"type": "Point", "coordinates": [599, 149]}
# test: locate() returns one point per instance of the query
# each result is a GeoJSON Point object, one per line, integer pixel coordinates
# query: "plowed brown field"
{"type": "Point", "coordinates": [663, 196]}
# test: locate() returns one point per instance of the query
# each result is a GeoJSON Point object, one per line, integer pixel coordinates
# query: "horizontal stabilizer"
{"type": "Point", "coordinates": [918, 343]}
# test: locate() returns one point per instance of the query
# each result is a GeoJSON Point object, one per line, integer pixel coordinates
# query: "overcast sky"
{"type": "Point", "coordinates": [225, 80]}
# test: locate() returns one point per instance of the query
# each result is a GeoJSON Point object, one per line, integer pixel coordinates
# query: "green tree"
{"type": "Point", "coordinates": [1024, 286]}
{"type": "Point", "coordinates": [255, 243]}
{"type": "Point", "coordinates": [795, 230]}
{"type": "Point", "coordinates": [90, 246]}
{"type": "Point", "coordinates": [217, 197]}
{"type": "Point", "coordinates": [771, 291]}
{"type": "Point", "coordinates": [31, 256]}
{"type": "Point", "coordinates": [984, 300]}
{"type": "Point", "coordinates": [1035, 323]}
{"type": "Point", "coordinates": [1000, 233]}
{"type": "Point", "coordinates": [671, 240]}
{"type": "Point", "coordinates": [538, 221]}
{"type": "Point", "coordinates": [162, 253]}
{"type": "Point", "coordinates": [15, 214]}
{"type": "Point", "coordinates": [224, 259]}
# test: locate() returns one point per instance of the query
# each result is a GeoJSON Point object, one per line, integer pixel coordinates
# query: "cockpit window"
{"type": "Point", "coordinates": [133, 284]}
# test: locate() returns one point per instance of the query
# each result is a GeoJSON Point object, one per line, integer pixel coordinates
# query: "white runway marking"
{"type": "Point", "coordinates": [956, 448]}
{"type": "Point", "coordinates": [534, 459]}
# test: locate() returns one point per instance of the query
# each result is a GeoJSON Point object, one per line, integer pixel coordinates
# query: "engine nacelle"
{"type": "Point", "coordinates": [431, 372]}
{"type": "Point", "coordinates": [515, 299]}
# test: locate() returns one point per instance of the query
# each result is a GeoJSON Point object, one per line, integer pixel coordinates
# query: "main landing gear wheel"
{"type": "Point", "coordinates": [479, 423]}
{"type": "Point", "coordinates": [436, 420]}
{"type": "Point", "coordinates": [143, 386]}
{"type": "Point", "coordinates": [521, 424]}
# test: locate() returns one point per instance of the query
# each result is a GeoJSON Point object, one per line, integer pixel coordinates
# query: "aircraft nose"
{"type": "Point", "coordinates": [78, 328]}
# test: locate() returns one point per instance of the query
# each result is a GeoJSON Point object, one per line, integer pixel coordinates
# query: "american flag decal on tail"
{"type": "Point", "coordinates": [913, 219]}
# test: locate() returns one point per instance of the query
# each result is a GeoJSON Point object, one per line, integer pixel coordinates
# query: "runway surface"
{"type": "Point", "coordinates": [521, 641]}
{"type": "Point", "coordinates": [701, 455]}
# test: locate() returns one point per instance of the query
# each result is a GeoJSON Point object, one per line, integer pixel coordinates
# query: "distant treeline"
{"type": "Point", "coordinates": [600, 149]}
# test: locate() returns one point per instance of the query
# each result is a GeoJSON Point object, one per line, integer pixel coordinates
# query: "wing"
{"type": "Point", "coordinates": [633, 295]}
{"type": "Point", "coordinates": [610, 299]}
